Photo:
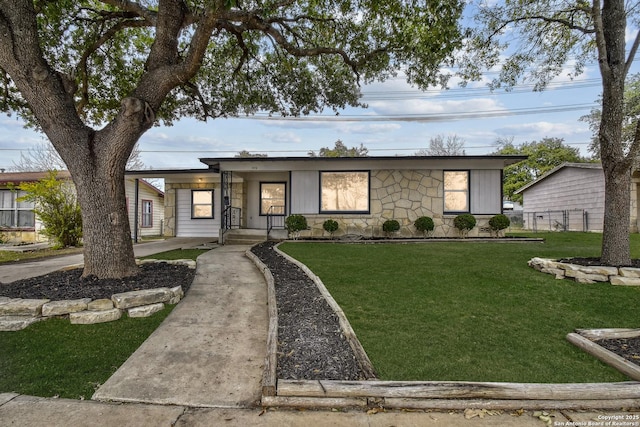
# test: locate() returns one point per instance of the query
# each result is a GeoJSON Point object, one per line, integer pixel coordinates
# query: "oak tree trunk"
{"type": "Point", "coordinates": [616, 164]}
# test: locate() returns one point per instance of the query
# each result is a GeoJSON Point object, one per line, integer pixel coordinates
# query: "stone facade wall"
{"type": "Point", "coordinates": [403, 195]}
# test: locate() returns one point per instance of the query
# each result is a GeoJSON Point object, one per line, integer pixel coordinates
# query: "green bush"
{"type": "Point", "coordinates": [330, 226]}
{"type": "Point", "coordinates": [390, 226]}
{"type": "Point", "coordinates": [57, 207]}
{"type": "Point", "coordinates": [464, 223]}
{"type": "Point", "coordinates": [424, 224]}
{"type": "Point", "coordinates": [295, 224]}
{"type": "Point", "coordinates": [498, 223]}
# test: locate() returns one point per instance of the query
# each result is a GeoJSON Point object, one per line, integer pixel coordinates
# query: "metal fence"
{"type": "Point", "coordinates": [561, 220]}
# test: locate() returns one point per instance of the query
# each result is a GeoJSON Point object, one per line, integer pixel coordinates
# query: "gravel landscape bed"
{"type": "Point", "coordinates": [311, 344]}
{"type": "Point", "coordinates": [69, 284]}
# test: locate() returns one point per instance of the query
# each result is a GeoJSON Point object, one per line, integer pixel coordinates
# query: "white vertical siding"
{"type": "Point", "coordinates": [486, 192]}
{"type": "Point", "coordinates": [305, 192]}
{"type": "Point", "coordinates": [201, 227]}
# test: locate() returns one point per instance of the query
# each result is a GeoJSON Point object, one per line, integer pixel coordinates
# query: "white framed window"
{"type": "Point", "coordinates": [14, 213]}
{"type": "Point", "coordinates": [147, 214]}
{"type": "Point", "coordinates": [344, 192]}
{"type": "Point", "coordinates": [201, 204]}
{"type": "Point", "coordinates": [456, 191]}
{"type": "Point", "coordinates": [273, 198]}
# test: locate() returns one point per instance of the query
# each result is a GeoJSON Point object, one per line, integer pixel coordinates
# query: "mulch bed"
{"type": "Point", "coordinates": [628, 348]}
{"type": "Point", "coordinates": [68, 285]}
{"type": "Point", "coordinates": [311, 344]}
{"type": "Point", "coordinates": [594, 262]}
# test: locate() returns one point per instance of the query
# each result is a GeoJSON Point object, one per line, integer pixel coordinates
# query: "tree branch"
{"type": "Point", "coordinates": [632, 53]}
{"type": "Point", "coordinates": [601, 44]}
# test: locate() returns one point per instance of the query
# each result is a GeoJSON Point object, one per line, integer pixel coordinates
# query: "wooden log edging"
{"type": "Point", "coordinates": [269, 380]}
{"type": "Point", "coordinates": [626, 367]}
{"type": "Point", "coordinates": [361, 356]}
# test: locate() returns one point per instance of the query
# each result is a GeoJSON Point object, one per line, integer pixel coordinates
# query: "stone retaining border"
{"type": "Point", "coordinates": [17, 313]}
{"type": "Point", "coordinates": [621, 276]}
{"type": "Point", "coordinates": [449, 395]}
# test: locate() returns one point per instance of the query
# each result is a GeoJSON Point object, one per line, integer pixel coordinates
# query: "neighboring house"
{"type": "Point", "coordinates": [150, 208]}
{"type": "Point", "coordinates": [360, 193]}
{"type": "Point", "coordinates": [18, 222]}
{"type": "Point", "coordinates": [570, 197]}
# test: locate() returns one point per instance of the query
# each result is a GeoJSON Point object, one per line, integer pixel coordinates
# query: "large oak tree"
{"type": "Point", "coordinates": [94, 75]}
{"type": "Point", "coordinates": [539, 38]}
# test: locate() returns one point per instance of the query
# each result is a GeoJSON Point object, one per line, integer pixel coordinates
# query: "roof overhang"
{"type": "Point", "coordinates": [248, 164]}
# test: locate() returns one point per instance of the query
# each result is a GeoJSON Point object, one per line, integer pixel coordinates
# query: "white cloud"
{"type": "Point", "coordinates": [435, 106]}
{"type": "Point", "coordinates": [543, 129]}
{"type": "Point", "coordinates": [283, 137]}
{"type": "Point", "coordinates": [366, 128]}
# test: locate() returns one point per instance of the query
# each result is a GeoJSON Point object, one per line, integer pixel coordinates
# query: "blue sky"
{"type": "Point", "coordinates": [400, 120]}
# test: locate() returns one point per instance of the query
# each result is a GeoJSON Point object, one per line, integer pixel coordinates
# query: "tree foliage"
{"type": "Point", "coordinates": [534, 41]}
{"type": "Point", "coordinates": [94, 75]}
{"type": "Point", "coordinates": [631, 113]}
{"type": "Point", "coordinates": [439, 145]}
{"type": "Point", "coordinates": [56, 205]}
{"type": "Point", "coordinates": [544, 155]}
{"type": "Point", "coordinates": [341, 150]}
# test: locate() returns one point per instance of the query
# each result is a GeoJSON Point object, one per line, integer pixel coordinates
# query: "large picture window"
{"type": "Point", "coordinates": [201, 204]}
{"type": "Point", "coordinates": [273, 198]}
{"type": "Point", "coordinates": [456, 191]}
{"type": "Point", "coordinates": [344, 192]}
{"type": "Point", "coordinates": [15, 214]}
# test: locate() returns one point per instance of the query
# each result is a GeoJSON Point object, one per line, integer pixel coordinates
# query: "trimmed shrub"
{"type": "Point", "coordinates": [295, 224]}
{"type": "Point", "coordinates": [498, 223]}
{"type": "Point", "coordinates": [390, 226]}
{"type": "Point", "coordinates": [424, 224]}
{"type": "Point", "coordinates": [330, 226]}
{"type": "Point", "coordinates": [464, 223]}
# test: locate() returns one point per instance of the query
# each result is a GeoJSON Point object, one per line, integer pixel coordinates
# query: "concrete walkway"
{"type": "Point", "coordinates": [210, 350]}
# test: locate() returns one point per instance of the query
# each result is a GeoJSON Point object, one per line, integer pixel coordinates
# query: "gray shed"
{"type": "Point", "coordinates": [568, 197]}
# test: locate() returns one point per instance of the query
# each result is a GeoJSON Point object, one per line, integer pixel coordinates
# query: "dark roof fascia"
{"type": "Point", "coordinates": [556, 169]}
{"type": "Point", "coordinates": [159, 173]}
{"type": "Point", "coordinates": [214, 162]}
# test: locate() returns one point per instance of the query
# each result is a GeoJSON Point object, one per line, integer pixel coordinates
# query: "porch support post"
{"type": "Point", "coordinates": [135, 210]}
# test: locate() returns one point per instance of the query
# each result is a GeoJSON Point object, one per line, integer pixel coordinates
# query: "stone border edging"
{"type": "Point", "coordinates": [621, 276]}
{"type": "Point", "coordinates": [18, 313]}
{"type": "Point", "coordinates": [449, 395]}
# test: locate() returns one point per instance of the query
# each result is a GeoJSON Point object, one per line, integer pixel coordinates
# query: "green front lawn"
{"type": "Point", "coordinates": [56, 358]}
{"type": "Point", "coordinates": [472, 311]}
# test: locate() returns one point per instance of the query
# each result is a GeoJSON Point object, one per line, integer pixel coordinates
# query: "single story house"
{"type": "Point", "coordinates": [18, 223]}
{"type": "Point", "coordinates": [360, 193]}
{"type": "Point", "coordinates": [571, 197]}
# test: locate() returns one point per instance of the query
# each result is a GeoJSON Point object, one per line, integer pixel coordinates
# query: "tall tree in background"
{"type": "Point", "coordinates": [439, 145]}
{"type": "Point", "coordinates": [94, 75]}
{"type": "Point", "coordinates": [544, 155]}
{"type": "Point", "coordinates": [341, 150]}
{"type": "Point", "coordinates": [540, 37]}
